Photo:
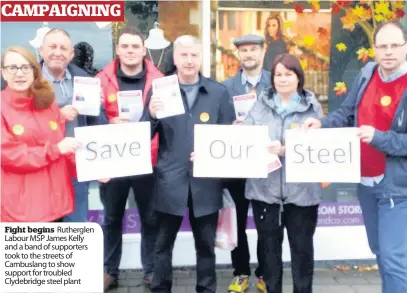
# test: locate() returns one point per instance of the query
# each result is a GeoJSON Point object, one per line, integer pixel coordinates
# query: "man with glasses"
{"type": "Point", "coordinates": [251, 78]}
{"type": "Point", "coordinates": [57, 53]}
{"type": "Point", "coordinates": [377, 105]}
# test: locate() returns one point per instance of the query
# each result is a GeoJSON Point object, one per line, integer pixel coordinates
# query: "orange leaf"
{"type": "Point", "coordinates": [323, 32]}
{"type": "Point", "coordinates": [349, 20]}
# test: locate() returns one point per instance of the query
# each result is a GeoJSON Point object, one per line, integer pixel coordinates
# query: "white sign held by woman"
{"type": "Point", "coordinates": [322, 155]}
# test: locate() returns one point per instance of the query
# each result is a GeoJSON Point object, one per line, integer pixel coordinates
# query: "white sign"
{"type": "Point", "coordinates": [243, 104]}
{"type": "Point", "coordinates": [130, 105]}
{"type": "Point", "coordinates": [322, 155]}
{"type": "Point", "coordinates": [87, 95]}
{"type": "Point", "coordinates": [113, 150]}
{"type": "Point", "coordinates": [230, 151]}
{"type": "Point", "coordinates": [167, 89]}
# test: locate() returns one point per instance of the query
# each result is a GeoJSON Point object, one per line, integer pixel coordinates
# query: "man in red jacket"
{"type": "Point", "coordinates": [130, 71]}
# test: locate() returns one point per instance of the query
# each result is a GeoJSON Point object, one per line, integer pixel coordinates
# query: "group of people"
{"type": "Point", "coordinates": [38, 163]}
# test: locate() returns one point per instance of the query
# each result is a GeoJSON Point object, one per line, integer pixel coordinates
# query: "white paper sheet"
{"type": "Point", "coordinates": [167, 88]}
{"type": "Point", "coordinates": [130, 104]}
{"type": "Point", "coordinates": [87, 95]}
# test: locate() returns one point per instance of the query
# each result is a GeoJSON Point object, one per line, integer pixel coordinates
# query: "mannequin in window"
{"type": "Point", "coordinates": [83, 58]}
{"type": "Point", "coordinates": [158, 48]}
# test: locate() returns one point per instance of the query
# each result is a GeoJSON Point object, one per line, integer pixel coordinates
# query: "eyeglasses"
{"type": "Point", "coordinates": [393, 47]}
{"type": "Point", "coordinates": [12, 69]}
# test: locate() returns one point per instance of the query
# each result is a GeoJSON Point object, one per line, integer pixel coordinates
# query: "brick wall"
{"type": "Point", "coordinates": [174, 18]}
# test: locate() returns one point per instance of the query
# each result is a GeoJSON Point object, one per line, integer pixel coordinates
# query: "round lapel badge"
{"type": "Point", "coordinates": [112, 98]}
{"type": "Point", "coordinates": [53, 125]}
{"type": "Point", "coordinates": [18, 129]}
{"type": "Point", "coordinates": [204, 117]}
{"type": "Point", "coordinates": [385, 101]}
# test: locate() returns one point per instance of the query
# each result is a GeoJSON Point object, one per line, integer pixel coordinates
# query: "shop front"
{"type": "Point", "coordinates": [332, 39]}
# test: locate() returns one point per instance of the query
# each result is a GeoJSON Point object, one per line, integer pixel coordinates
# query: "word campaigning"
{"type": "Point", "coordinates": [62, 11]}
{"type": "Point", "coordinates": [51, 257]}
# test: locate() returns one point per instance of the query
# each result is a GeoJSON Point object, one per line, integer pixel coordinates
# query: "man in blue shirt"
{"type": "Point", "coordinates": [251, 78]}
{"type": "Point", "coordinates": [57, 53]}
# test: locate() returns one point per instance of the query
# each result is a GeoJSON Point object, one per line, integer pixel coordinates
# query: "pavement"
{"type": "Point", "coordinates": [326, 280]}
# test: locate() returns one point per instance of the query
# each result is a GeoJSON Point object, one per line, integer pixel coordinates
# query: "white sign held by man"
{"type": "Point", "coordinates": [230, 151]}
{"type": "Point", "coordinates": [322, 155]}
{"type": "Point", "coordinates": [113, 150]}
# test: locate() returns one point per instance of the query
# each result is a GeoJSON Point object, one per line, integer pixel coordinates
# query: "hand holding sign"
{"type": "Point", "coordinates": [117, 120]}
{"type": "Point", "coordinates": [155, 106]}
{"type": "Point", "coordinates": [311, 123]}
{"type": "Point", "coordinates": [68, 145]}
{"type": "Point", "coordinates": [366, 133]}
{"type": "Point", "coordinates": [276, 148]}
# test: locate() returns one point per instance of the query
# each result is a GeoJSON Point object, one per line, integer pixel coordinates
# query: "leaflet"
{"type": "Point", "coordinates": [131, 105]}
{"type": "Point", "coordinates": [274, 162]}
{"type": "Point", "coordinates": [87, 95]}
{"type": "Point", "coordinates": [243, 104]}
{"type": "Point", "coordinates": [167, 88]}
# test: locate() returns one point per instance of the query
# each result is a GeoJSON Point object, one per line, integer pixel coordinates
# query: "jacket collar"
{"type": "Point", "coordinates": [18, 102]}
{"type": "Point", "coordinates": [307, 100]}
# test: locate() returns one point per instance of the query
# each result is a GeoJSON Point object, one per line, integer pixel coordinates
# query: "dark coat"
{"type": "Point", "coordinates": [174, 170]}
{"type": "Point", "coordinates": [236, 88]}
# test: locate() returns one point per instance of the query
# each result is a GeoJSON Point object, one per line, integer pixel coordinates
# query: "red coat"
{"type": "Point", "coordinates": [36, 183]}
{"type": "Point", "coordinates": [110, 87]}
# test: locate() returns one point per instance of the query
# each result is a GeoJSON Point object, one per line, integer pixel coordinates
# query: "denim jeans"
{"type": "Point", "coordinates": [114, 196]}
{"type": "Point", "coordinates": [385, 220]}
{"type": "Point", "coordinates": [80, 213]}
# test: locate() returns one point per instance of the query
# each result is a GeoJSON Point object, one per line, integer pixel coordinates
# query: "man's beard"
{"type": "Point", "coordinates": [250, 68]}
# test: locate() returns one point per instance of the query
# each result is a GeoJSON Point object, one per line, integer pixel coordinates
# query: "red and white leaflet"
{"type": "Point", "coordinates": [87, 95]}
{"type": "Point", "coordinates": [167, 89]}
{"type": "Point", "coordinates": [274, 162]}
{"type": "Point", "coordinates": [243, 104]}
{"type": "Point", "coordinates": [130, 104]}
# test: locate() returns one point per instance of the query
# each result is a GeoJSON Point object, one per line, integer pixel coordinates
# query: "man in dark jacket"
{"type": "Point", "coordinates": [205, 102]}
{"type": "Point", "coordinates": [57, 53]}
{"type": "Point", "coordinates": [250, 79]}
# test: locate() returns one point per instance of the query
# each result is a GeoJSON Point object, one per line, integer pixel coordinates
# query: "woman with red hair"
{"type": "Point", "coordinates": [36, 158]}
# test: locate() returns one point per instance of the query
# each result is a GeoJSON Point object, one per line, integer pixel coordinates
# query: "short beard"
{"type": "Point", "coordinates": [250, 68]}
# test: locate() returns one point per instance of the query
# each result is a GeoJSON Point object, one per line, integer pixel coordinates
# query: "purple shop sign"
{"type": "Point", "coordinates": [330, 214]}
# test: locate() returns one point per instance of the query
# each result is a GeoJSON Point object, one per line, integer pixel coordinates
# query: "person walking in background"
{"type": "Point", "coordinates": [37, 162]}
{"type": "Point", "coordinates": [376, 104]}
{"type": "Point", "coordinates": [130, 71]}
{"type": "Point", "coordinates": [205, 102]}
{"type": "Point", "coordinates": [250, 78]}
{"type": "Point", "coordinates": [276, 203]}
{"type": "Point", "coordinates": [57, 53]}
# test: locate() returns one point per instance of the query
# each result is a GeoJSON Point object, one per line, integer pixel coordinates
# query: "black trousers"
{"type": "Point", "coordinates": [114, 195]}
{"type": "Point", "coordinates": [301, 224]}
{"type": "Point", "coordinates": [241, 255]}
{"type": "Point", "coordinates": [204, 231]}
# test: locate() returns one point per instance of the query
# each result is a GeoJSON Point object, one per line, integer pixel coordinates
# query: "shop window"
{"type": "Point", "coordinates": [221, 20]}
{"type": "Point", "coordinates": [97, 35]}
{"type": "Point", "coordinates": [259, 20]}
{"type": "Point", "coordinates": [231, 18]}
